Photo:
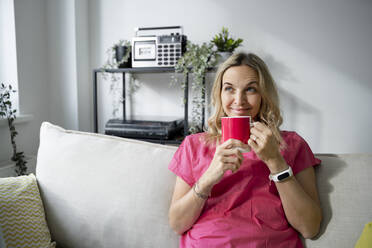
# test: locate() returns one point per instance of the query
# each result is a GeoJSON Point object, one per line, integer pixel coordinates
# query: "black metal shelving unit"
{"type": "Point", "coordinates": [177, 140]}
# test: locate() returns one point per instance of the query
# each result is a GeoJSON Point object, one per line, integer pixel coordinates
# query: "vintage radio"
{"type": "Point", "coordinates": [158, 50]}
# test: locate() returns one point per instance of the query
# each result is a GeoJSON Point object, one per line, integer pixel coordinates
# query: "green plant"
{"type": "Point", "coordinates": [7, 112]}
{"type": "Point", "coordinates": [224, 43]}
{"type": "Point", "coordinates": [197, 60]}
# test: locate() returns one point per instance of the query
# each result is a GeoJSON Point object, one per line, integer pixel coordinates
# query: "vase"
{"type": "Point", "coordinates": [119, 54]}
{"type": "Point", "coordinates": [222, 57]}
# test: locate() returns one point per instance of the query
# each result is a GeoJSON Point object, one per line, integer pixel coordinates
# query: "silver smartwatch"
{"type": "Point", "coordinates": [281, 176]}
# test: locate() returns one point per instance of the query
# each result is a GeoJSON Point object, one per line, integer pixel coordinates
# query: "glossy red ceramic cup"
{"type": "Point", "coordinates": [236, 127]}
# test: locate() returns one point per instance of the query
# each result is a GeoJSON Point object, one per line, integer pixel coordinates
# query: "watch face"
{"type": "Point", "coordinates": [283, 176]}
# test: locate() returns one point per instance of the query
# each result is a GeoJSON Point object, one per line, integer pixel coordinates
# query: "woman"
{"type": "Point", "coordinates": [225, 198]}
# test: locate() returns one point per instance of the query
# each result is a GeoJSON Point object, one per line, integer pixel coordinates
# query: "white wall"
{"type": "Point", "coordinates": [318, 51]}
{"type": "Point", "coordinates": [83, 69]}
{"type": "Point", "coordinates": [8, 64]}
{"type": "Point", "coordinates": [32, 76]}
{"type": "Point", "coordinates": [62, 62]}
{"type": "Point", "coordinates": [8, 58]}
{"type": "Point", "coordinates": [51, 47]}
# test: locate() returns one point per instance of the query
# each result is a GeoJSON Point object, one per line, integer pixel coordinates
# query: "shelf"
{"type": "Point", "coordinates": [143, 70]}
{"type": "Point", "coordinates": [138, 70]}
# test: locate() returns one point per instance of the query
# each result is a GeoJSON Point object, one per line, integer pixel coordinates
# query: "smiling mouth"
{"type": "Point", "coordinates": [240, 111]}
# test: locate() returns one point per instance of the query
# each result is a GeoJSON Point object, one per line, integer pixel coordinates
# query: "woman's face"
{"type": "Point", "coordinates": [239, 94]}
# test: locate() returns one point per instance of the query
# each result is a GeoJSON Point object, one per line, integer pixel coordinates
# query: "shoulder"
{"type": "Point", "coordinates": [196, 144]}
{"type": "Point", "coordinates": [297, 152]}
{"type": "Point", "coordinates": [290, 134]}
{"type": "Point", "coordinates": [188, 149]}
{"type": "Point", "coordinates": [293, 144]}
{"type": "Point", "coordinates": [292, 139]}
{"type": "Point", "coordinates": [196, 139]}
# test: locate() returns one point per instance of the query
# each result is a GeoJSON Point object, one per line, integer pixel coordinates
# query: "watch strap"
{"type": "Point", "coordinates": [281, 176]}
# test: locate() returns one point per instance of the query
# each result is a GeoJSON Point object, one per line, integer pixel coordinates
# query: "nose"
{"type": "Point", "coordinates": [240, 98]}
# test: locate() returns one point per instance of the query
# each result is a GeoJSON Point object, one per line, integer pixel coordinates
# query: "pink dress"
{"type": "Point", "coordinates": [244, 209]}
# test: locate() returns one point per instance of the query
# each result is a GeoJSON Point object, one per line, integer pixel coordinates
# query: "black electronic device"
{"type": "Point", "coordinates": [145, 129]}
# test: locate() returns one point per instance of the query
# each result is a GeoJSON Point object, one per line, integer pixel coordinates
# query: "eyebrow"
{"type": "Point", "coordinates": [253, 82]}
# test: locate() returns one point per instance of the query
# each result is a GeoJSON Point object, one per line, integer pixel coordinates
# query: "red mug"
{"type": "Point", "coordinates": [236, 127]}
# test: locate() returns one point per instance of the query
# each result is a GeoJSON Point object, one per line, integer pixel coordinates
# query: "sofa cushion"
{"type": "Point", "coordinates": [104, 191]}
{"type": "Point", "coordinates": [22, 218]}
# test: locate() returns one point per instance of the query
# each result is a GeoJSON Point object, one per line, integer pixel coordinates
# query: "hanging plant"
{"type": "Point", "coordinates": [118, 56]}
{"type": "Point", "coordinates": [7, 112]}
{"type": "Point", "coordinates": [197, 60]}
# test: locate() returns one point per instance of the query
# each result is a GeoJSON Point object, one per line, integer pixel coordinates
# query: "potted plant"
{"type": "Point", "coordinates": [225, 44]}
{"type": "Point", "coordinates": [197, 60]}
{"type": "Point", "coordinates": [119, 55]}
{"type": "Point", "coordinates": [7, 112]}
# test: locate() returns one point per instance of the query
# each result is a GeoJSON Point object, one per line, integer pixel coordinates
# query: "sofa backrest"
{"type": "Point", "coordinates": [345, 193]}
{"type": "Point", "coordinates": [102, 191]}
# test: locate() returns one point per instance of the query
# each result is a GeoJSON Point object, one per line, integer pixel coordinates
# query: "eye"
{"type": "Point", "coordinates": [251, 89]}
{"type": "Point", "coordinates": [228, 88]}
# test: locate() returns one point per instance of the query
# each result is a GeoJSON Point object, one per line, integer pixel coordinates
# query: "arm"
{"type": "Point", "coordinates": [298, 194]}
{"type": "Point", "coordinates": [186, 206]}
{"type": "Point", "coordinates": [300, 201]}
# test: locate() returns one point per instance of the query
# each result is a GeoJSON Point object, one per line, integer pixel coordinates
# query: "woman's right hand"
{"type": "Point", "coordinates": [187, 205]}
{"type": "Point", "coordinates": [227, 157]}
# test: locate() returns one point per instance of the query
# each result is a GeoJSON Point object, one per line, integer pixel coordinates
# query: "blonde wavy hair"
{"type": "Point", "coordinates": [269, 112]}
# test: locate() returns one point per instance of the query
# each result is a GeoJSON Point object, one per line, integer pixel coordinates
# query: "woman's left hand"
{"type": "Point", "coordinates": [264, 144]}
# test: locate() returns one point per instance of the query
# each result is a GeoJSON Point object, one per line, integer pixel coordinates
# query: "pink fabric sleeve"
{"type": "Point", "coordinates": [182, 161]}
{"type": "Point", "coordinates": [303, 157]}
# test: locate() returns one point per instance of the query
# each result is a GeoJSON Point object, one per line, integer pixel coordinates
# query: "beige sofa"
{"type": "Point", "coordinates": [101, 191]}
